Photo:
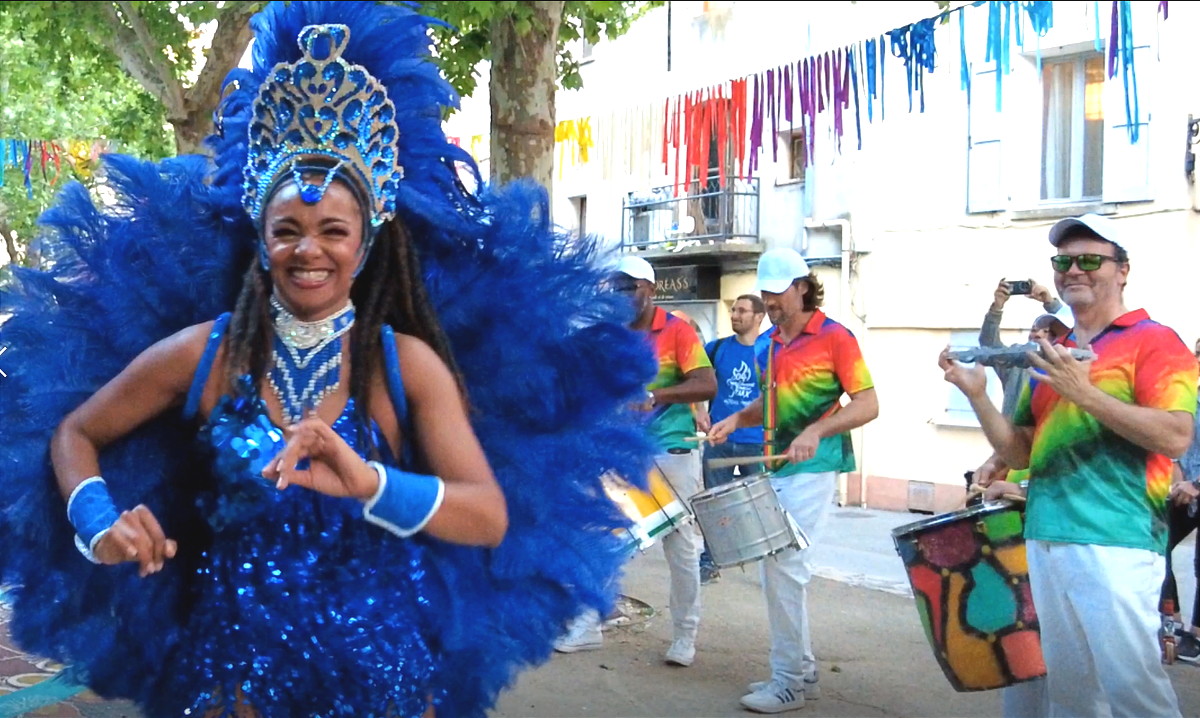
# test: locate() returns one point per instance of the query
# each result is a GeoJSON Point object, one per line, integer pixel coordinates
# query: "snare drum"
{"type": "Point", "coordinates": [654, 514]}
{"type": "Point", "coordinates": [970, 580]}
{"type": "Point", "coordinates": [743, 522]}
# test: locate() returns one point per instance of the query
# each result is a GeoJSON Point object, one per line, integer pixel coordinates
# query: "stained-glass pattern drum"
{"type": "Point", "coordinates": [970, 580]}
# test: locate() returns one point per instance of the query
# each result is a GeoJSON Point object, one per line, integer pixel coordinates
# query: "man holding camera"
{"type": "Point", "coordinates": [1097, 437]}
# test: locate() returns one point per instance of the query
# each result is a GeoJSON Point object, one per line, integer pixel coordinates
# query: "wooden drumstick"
{"type": "Point", "coordinates": [725, 463]}
{"type": "Point", "coordinates": [976, 489]}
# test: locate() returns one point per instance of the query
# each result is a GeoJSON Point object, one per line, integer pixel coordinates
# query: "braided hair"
{"type": "Point", "coordinates": [389, 290]}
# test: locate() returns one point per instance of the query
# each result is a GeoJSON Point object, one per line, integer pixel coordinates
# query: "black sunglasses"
{"type": "Point", "coordinates": [1085, 262]}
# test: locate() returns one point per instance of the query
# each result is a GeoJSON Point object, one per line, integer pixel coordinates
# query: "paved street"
{"type": "Point", "coordinates": [873, 655]}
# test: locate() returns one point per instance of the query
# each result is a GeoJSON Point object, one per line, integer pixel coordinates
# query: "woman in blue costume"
{"type": "Point", "coordinates": [395, 501]}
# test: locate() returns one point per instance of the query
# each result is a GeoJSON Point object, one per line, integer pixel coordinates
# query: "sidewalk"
{"type": "Point", "coordinates": [873, 656]}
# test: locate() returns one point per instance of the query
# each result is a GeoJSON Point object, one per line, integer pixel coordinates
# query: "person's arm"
{"type": "Point", "coordinates": [158, 379]}
{"type": "Point", "coordinates": [473, 510]}
{"type": "Point", "coordinates": [699, 379]}
{"type": "Point", "coordinates": [1047, 299]}
{"type": "Point", "coordinates": [698, 385]}
{"type": "Point", "coordinates": [989, 333]}
{"type": "Point", "coordinates": [1161, 420]}
{"type": "Point", "coordinates": [1011, 442]}
{"type": "Point", "coordinates": [862, 408]}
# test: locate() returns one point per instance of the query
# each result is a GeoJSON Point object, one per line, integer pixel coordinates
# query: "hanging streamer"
{"type": "Point", "coordinates": [854, 84]}
{"type": "Point", "coordinates": [914, 44]}
{"type": "Point", "coordinates": [871, 61]}
{"type": "Point", "coordinates": [1041, 20]}
{"type": "Point", "coordinates": [1128, 71]}
{"type": "Point", "coordinates": [882, 55]}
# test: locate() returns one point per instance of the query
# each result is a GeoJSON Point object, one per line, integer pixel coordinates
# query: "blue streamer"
{"type": "Point", "coordinates": [915, 45]}
{"type": "Point", "coordinates": [1041, 19]}
{"type": "Point", "coordinates": [964, 71]}
{"type": "Point", "coordinates": [871, 61]}
{"type": "Point", "coordinates": [1096, 16]}
{"type": "Point", "coordinates": [1128, 72]}
{"type": "Point", "coordinates": [882, 57]}
{"type": "Point", "coordinates": [854, 82]}
{"type": "Point", "coordinates": [3, 161]}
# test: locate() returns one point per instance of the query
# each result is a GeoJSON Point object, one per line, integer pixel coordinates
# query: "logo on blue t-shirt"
{"type": "Point", "coordinates": [737, 385]}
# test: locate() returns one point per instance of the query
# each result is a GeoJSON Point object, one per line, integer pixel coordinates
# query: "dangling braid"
{"type": "Point", "coordinates": [249, 334]}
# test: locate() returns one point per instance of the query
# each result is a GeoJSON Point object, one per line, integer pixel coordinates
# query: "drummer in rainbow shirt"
{"type": "Point", "coordinates": [1097, 437]}
{"type": "Point", "coordinates": [806, 364]}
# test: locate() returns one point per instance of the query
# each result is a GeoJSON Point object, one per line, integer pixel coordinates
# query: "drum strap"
{"type": "Point", "coordinates": [770, 409]}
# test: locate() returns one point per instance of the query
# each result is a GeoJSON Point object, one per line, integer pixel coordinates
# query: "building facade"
{"type": "Point", "coordinates": [910, 216]}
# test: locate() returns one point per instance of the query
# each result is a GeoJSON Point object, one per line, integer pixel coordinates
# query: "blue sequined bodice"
{"type": "Point", "coordinates": [243, 440]}
{"type": "Point", "coordinates": [296, 589]}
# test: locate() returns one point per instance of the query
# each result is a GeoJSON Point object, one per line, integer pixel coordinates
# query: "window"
{"type": "Point", "coordinates": [580, 206]}
{"type": "Point", "coordinates": [793, 157]}
{"type": "Point", "coordinates": [1073, 128]}
{"type": "Point", "coordinates": [958, 407]}
{"type": "Point", "coordinates": [585, 53]}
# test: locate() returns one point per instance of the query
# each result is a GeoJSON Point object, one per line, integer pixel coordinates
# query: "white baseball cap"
{"type": "Point", "coordinates": [635, 267]}
{"type": "Point", "coordinates": [1064, 315]}
{"type": "Point", "coordinates": [1104, 227]}
{"type": "Point", "coordinates": [778, 268]}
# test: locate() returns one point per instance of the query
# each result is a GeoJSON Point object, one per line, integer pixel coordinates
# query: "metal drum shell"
{"type": "Point", "coordinates": [742, 522]}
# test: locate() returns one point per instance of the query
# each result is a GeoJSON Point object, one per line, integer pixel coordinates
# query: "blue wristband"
{"type": "Point", "coordinates": [404, 502]}
{"type": "Point", "coordinates": [92, 512]}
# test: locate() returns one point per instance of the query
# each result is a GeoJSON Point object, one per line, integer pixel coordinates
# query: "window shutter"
{"type": "Point", "coordinates": [1127, 175]}
{"type": "Point", "coordinates": [985, 176]}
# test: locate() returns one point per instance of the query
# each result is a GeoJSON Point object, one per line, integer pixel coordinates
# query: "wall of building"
{"type": "Point", "coordinates": [924, 267]}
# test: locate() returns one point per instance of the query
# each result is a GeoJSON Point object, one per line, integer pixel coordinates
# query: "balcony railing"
{"type": "Point", "coordinates": [658, 221]}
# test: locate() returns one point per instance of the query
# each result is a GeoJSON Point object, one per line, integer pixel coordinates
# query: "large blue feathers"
{"type": "Point", "coordinates": [547, 361]}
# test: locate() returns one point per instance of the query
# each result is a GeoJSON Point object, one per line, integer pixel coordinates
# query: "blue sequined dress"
{"type": "Point", "coordinates": [298, 603]}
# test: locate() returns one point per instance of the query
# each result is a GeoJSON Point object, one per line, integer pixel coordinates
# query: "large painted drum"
{"type": "Point", "coordinates": [971, 583]}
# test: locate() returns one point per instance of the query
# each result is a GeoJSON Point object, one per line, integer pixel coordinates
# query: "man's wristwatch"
{"type": "Point", "coordinates": [650, 398]}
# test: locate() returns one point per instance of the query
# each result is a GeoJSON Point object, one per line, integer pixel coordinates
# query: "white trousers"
{"type": "Point", "coordinates": [785, 577]}
{"type": "Point", "coordinates": [1098, 609]}
{"type": "Point", "coordinates": [682, 546]}
{"type": "Point", "coordinates": [1028, 699]}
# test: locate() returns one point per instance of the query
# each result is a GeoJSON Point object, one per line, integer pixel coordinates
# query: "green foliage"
{"type": "Point", "coordinates": [467, 42]}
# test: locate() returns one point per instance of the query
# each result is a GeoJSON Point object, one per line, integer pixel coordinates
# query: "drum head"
{"type": "Point", "coordinates": [984, 509]}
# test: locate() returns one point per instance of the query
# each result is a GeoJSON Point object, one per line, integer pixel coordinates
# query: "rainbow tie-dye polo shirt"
{"type": "Point", "coordinates": [1087, 485]}
{"type": "Point", "coordinates": [679, 352]}
{"type": "Point", "coordinates": [806, 379]}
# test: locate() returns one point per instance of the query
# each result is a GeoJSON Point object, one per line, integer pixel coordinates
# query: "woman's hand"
{"type": "Point", "coordinates": [334, 468]}
{"type": "Point", "coordinates": [136, 536]}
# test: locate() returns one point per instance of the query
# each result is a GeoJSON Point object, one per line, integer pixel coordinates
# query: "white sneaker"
{"type": "Point", "coordinates": [584, 635]}
{"type": "Point", "coordinates": [774, 697]}
{"type": "Point", "coordinates": [811, 689]}
{"type": "Point", "coordinates": [681, 653]}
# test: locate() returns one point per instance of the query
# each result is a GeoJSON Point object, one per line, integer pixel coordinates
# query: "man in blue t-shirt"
{"type": "Point", "coordinates": [737, 385]}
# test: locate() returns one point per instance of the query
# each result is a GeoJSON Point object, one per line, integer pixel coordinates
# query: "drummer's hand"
{"type": "Point", "coordinates": [334, 468]}
{"type": "Point", "coordinates": [971, 380]}
{"type": "Point", "coordinates": [1184, 493]}
{"type": "Point", "coordinates": [136, 536]}
{"type": "Point", "coordinates": [719, 432]}
{"type": "Point", "coordinates": [803, 447]}
{"type": "Point", "coordinates": [989, 472]}
{"type": "Point", "coordinates": [1000, 489]}
{"type": "Point", "coordinates": [703, 420]}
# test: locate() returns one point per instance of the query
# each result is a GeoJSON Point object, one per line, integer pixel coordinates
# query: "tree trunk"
{"type": "Point", "coordinates": [523, 80]}
{"type": "Point", "coordinates": [190, 132]}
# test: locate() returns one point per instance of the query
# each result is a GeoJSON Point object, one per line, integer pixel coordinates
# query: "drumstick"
{"type": "Point", "coordinates": [743, 460]}
{"type": "Point", "coordinates": [976, 489]}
